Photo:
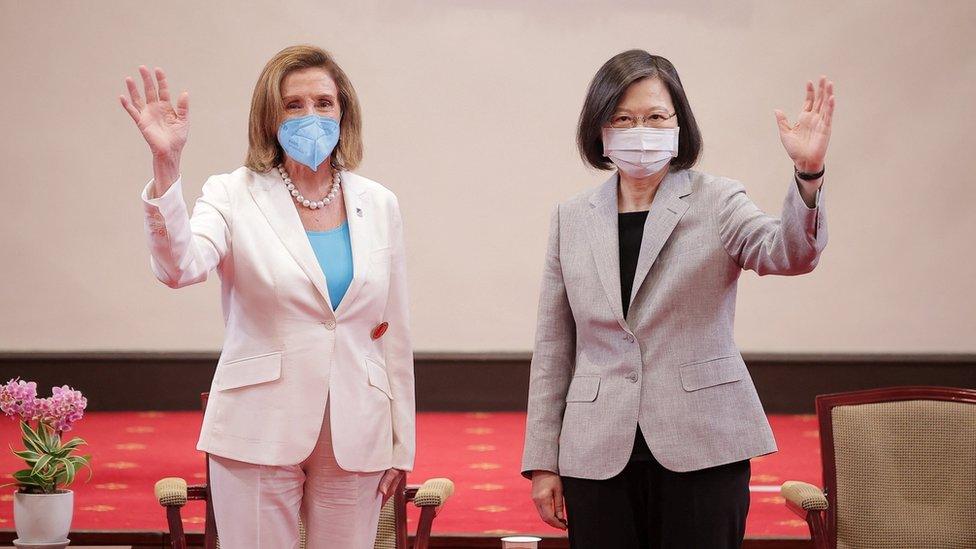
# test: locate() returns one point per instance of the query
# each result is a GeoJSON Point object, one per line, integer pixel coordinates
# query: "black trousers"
{"type": "Point", "coordinates": [649, 507]}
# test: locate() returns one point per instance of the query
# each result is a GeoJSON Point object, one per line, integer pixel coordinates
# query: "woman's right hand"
{"type": "Point", "coordinates": [547, 494]}
{"type": "Point", "coordinates": [165, 128]}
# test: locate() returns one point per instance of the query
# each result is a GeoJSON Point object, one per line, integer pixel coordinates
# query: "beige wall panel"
{"type": "Point", "coordinates": [470, 110]}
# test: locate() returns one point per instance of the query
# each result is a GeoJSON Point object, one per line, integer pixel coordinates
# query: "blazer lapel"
{"type": "Point", "coordinates": [278, 208]}
{"type": "Point", "coordinates": [604, 242]}
{"type": "Point", "coordinates": [358, 215]}
{"type": "Point", "coordinates": [666, 210]}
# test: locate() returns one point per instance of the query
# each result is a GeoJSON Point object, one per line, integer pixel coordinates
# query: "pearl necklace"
{"type": "Point", "coordinates": [310, 204]}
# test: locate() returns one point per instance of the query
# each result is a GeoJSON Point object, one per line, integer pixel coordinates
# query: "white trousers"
{"type": "Point", "coordinates": [258, 506]}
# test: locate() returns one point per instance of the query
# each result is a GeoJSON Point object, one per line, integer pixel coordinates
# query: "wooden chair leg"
{"type": "Point", "coordinates": [423, 528]}
{"type": "Point", "coordinates": [177, 537]}
{"type": "Point", "coordinates": [400, 513]}
{"type": "Point", "coordinates": [818, 529]}
{"type": "Point", "coordinates": [210, 527]}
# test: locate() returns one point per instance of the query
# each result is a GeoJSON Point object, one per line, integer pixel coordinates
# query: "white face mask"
{"type": "Point", "coordinates": [640, 152]}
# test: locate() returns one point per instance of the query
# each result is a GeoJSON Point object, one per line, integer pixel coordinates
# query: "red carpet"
{"type": "Point", "coordinates": [479, 451]}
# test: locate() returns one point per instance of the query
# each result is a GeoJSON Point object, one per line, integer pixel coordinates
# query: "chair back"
{"type": "Point", "coordinates": [899, 467]}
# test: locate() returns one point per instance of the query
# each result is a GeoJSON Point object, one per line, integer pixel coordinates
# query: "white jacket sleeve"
{"type": "Point", "coordinates": [399, 353]}
{"type": "Point", "coordinates": [184, 250]}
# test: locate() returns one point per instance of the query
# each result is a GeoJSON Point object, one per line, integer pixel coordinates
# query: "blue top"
{"type": "Point", "coordinates": [333, 249]}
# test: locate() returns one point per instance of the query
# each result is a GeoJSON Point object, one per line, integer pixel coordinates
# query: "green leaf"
{"type": "Point", "coordinates": [27, 431]}
{"type": "Point", "coordinates": [28, 456]}
{"type": "Point", "coordinates": [42, 434]}
{"type": "Point", "coordinates": [73, 443]}
{"type": "Point", "coordinates": [46, 475]}
{"type": "Point", "coordinates": [33, 446]}
{"type": "Point", "coordinates": [41, 465]}
{"type": "Point", "coordinates": [69, 471]}
{"type": "Point", "coordinates": [43, 483]}
{"type": "Point", "coordinates": [31, 439]}
{"type": "Point", "coordinates": [24, 477]}
{"type": "Point", "coordinates": [52, 441]}
{"type": "Point", "coordinates": [66, 449]}
{"type": "Point", "coordinates": [83, 461]}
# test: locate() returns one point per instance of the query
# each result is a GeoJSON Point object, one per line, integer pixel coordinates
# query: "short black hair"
{"type": "Point", "coordinates": [609, 85]}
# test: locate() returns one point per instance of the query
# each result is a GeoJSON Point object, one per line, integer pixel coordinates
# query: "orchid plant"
{"type": "Point", "coordinates": [51, 465]}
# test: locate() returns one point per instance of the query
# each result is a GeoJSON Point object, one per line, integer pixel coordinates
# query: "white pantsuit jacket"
{"type": "Point", "coordinates": [285, 349]}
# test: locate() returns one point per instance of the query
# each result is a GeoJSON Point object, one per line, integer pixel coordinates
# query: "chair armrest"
{"type": "Point", "coordinates": [810, 504]}
{"type": "Point", "coordinates": [803, 498]}
{"type": "Point", "coordinates": [171, 491]}
{"type": "Point", "coordinates": [434, 492]}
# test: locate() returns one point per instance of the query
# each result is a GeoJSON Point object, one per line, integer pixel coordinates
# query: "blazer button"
{"type": "Point", "coordinates": [632, 377]}
{"type": "Point", "coordinates": [629, 338]}
{"type": "Point", "coordinates": [329, 324]}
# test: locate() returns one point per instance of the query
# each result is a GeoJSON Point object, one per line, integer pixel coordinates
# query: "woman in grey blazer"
{"type": "Point", "coordinates": [642, 416]}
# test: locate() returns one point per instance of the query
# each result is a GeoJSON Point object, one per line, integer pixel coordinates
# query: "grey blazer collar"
{"type": "Point", "coordinates": [666, 210]}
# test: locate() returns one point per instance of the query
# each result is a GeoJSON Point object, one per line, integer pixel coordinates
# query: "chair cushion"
{"type": "Point", "coordinates": [906, 472]}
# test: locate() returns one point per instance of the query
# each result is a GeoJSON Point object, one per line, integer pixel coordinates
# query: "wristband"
{"type": "Point", "coordinates": [810, 176]}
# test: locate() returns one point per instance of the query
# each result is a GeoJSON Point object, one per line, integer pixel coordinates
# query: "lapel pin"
{"type": "Point", "coordinates": [379, 330]}
{"type": "Point", "coordinates": [359, 212]}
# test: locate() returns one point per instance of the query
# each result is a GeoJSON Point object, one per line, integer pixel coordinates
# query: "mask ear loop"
{"type": "Point", "coordinates": [336, 166]}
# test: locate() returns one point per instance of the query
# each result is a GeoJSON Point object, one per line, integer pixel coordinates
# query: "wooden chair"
{"type": "Point", "coordinates": [899, 468]}
{"type": "Point", "coordinates": [173, 493]}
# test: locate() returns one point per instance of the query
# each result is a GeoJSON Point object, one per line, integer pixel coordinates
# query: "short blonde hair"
{"type": "Point", "coordinates": [267, 110]}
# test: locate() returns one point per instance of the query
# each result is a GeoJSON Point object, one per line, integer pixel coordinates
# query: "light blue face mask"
{"type": "Point", "coordinates": [309, 140]}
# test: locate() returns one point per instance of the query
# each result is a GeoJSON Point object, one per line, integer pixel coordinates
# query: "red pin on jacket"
{"type": "Point", "coordinates": [379, 330]}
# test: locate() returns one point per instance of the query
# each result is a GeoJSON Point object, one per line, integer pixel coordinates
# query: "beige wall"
{"type": "Point", "coordinates": [470, 109]}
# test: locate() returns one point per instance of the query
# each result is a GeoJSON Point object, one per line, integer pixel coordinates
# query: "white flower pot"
{"type": "Point", "coordinates": [43, 518]}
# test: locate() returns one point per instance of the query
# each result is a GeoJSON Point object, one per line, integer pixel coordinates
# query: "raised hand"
{"type": "Point", "coordinates": [806, 141]}
{"type": "Point", "coordinates": [165, 128]}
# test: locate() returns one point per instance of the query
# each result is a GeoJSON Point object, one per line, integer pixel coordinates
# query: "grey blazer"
{"type": "Point", "coordinates": [671, 366]}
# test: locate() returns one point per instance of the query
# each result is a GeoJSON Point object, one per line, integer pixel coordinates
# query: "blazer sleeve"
{"type": "Point", "coordinates": [183, 250]}
{"type": "Point", "coordinates": [789, 245]}
{"type": "Point", "coordinates": [553, 362]}
{"type": "Point", "coordinates": [399, 353]}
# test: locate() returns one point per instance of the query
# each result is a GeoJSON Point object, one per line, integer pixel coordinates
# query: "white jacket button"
{"type": "Point", "coordinates": [330, 324]}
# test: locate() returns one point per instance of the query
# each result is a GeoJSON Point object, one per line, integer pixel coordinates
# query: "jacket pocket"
{"type": "Point", "coordinates": [710, 373]}
{"type": "Point", "coordinates": [583, 388]}
{"type": "Point", "coordinates": [378, 378]}
{"type": "Point", "coordinates": [248, 371]}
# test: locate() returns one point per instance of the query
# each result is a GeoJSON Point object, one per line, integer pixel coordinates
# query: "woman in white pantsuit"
{"type": "Point", "coordinates": [311, 410]}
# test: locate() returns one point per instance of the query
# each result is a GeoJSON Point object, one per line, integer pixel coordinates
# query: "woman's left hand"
{"type": "Point", "coordinates": [806, 141]}
{"type": "Point", "coordinates": [389, 481]}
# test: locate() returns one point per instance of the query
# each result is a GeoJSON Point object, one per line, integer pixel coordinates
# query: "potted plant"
{"type": "Point", "coordinates": [43, 505]}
